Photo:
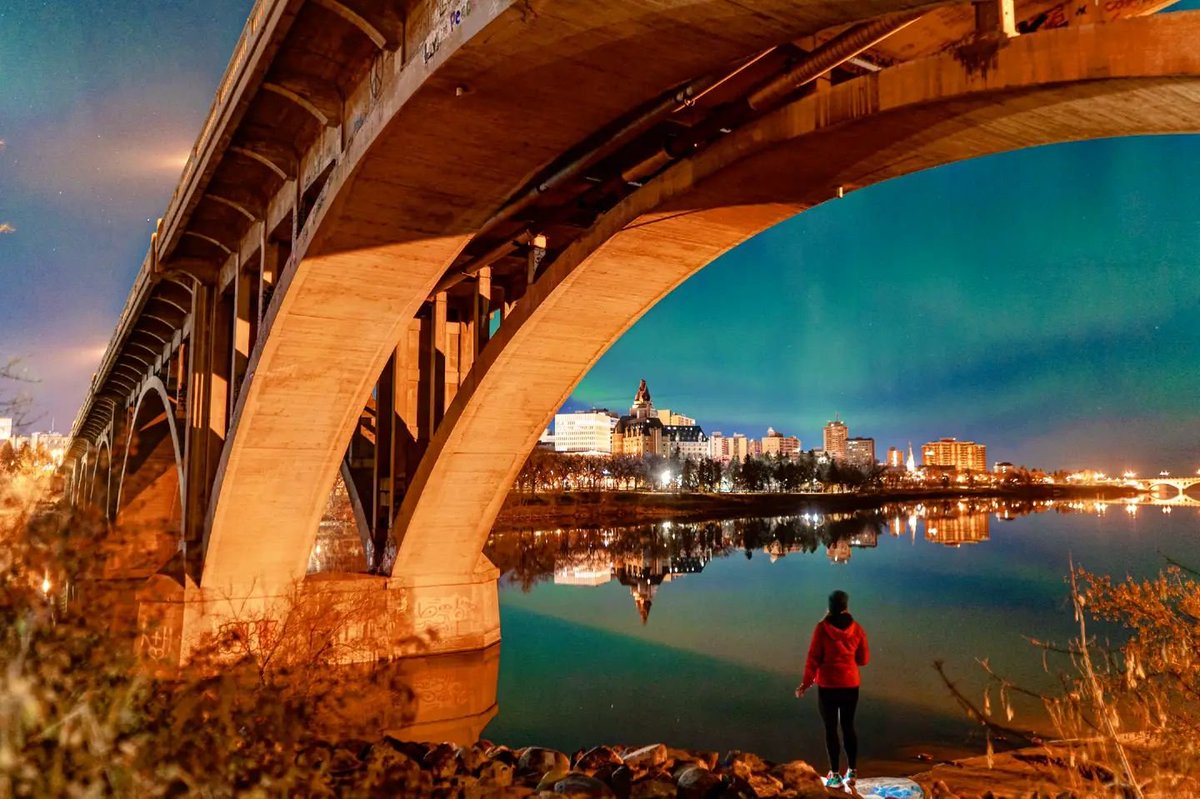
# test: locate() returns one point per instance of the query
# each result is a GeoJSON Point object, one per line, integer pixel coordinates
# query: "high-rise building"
{"type": "Point", "coordinates": [639, 433]}
{"type": "Point", "coordinates": [895, 458]}
{"type": "Point", "coordinates": [588, 572]}
{"type": "Point", "coordinates": [584, 432]}
{"type": "Point", "coordinates": [777, 444]}
{"type": "Point", "coordinates": [668, 416]}
{"type": "Point", "coordinates": [6, 426]}
{"type": "Point", "coordinates": [860, 451]}
{"type": "Point", "coordinates": [957, 529]}
{"type": "Point", "coordinates": [836, 434]}
{"type": "Point", "coordinates": [965, 456]}
{"type": "Point", "coordinates": [725, 448]}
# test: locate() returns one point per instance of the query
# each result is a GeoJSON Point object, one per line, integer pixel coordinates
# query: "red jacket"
{"type": "Point", "coordinates": [835, 655]}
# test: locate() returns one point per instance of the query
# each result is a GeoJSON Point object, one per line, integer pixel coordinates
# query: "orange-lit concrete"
{"type": "Point", "coordinates": [1129, 78]}
{"type": "Point", "coordinates": [349, 160]}
{"type": "Point", "coordinates": [427, 166]}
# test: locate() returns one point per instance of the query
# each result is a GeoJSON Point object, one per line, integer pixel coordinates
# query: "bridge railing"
{"type": "Point", "coordinates": [251, 31]}
{"type": "Point", "coordinates": [237, 63]}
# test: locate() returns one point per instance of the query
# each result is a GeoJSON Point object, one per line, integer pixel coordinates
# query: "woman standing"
{"type": "Point", "coordinates": [838, 648]}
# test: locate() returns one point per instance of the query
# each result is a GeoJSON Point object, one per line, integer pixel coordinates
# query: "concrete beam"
{"type": "Point", "coordinates": [396, 222]}
{"type": "Point", "coordinates": [1130, 78]}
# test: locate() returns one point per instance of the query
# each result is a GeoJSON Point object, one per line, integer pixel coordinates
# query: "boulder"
{"type": "Point", "coordinates": [539, 760]}
{"type": "Point", "coordinates": [595, 758]}
{"type": "Point", "coordinates": [441, 761]}
{"type": "Point", "coordinates": [697, 782]}
{"type": "Point", "coordinates": [765, 785]}
{"type": "Point", "coordinates": [656, 787]}
{"type": "Point", "coordinates": [496, 773]}
{"type": "Point", "coordinates": [743, 764]}
{"type": "Point", "coordinates": [679, 757]}
{"type": "Point", "coordinates": [470, 758]}
{"type": "Point", "coordinates": [620, 780]}
{"type": "Point", "coordinates": [501, 753]}
{"type": "Point", "coordinates": [736, 788]}
{"type": "Point", "coordinates": [646, 757]}
{"type": "Point", "coordinates": [546, 783]}
{"type": "Point", "coordinates": [795, 774]}
{"type": "Point", "coordinates": [578, 785]}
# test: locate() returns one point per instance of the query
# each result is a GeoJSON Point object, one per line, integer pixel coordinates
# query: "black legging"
{"type": "Point", "coordinates": [835, 702]}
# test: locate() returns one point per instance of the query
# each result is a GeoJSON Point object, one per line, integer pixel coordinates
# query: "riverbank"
{"type": "Point", "coordinates": [602, 772]}
{"type": "Point", "coordinates": [1057, 770]}
{"type": "Point", "coordinates": [597, 508]}
{"type": "Point", "coordinates": [658, 771]}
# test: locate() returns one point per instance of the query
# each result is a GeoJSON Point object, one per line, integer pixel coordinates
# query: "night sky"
{"type": "Point", "coordinates": [1044, 302]}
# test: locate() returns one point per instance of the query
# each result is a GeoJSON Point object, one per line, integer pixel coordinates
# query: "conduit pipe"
{"type": "Point", "coordinates": [833, 53]}
{"type": "Point", "coordinates": [771, 93]}
{"type": "Point", "coordinates": [664, 107]}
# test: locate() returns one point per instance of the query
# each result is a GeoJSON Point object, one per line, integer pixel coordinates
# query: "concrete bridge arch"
{"type": "Point", "coordinates": [100, 482]}
{"type": "Point", "coordinates": [148, 504]}
{"type": "Point", "coordinates": [1131, 78]}
{"type": "Point", "coordinates": [1180, 486]}
{"type": "Point", "coordinates": [1060, 86]}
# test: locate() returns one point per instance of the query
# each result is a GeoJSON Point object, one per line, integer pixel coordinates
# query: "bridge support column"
{"type": "Point", "coordinates": [995, 19]}
{"type": "Point", "coordinates": [244, 330]}
{"type": "Point", "coordinates": [363, 617]}
{"type": "Point", "coordinates": [209, 362]}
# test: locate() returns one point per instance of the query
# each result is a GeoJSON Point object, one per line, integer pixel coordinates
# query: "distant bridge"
{"type": "Point", "coordinates": [1180, 485]}
{"type": "Point", "coordinates": [407, 230]}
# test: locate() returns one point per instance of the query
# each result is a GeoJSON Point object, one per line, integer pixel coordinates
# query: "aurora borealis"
{"type": "Point", "coordinates": [1044, 302]}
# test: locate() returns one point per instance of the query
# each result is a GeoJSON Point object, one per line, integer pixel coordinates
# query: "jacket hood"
{"type": "Point", "coordinates": [839, 624]}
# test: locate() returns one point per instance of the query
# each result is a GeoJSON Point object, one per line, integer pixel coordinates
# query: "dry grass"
{"type": "Point", "coordinates": [1127, 717]}
{"type": "Point", "coordinates": [266, 714]}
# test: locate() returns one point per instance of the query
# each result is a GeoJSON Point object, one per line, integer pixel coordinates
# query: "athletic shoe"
{"type": "Point", "coordinates": [833, 780]}
{"type": "Point", "coordinates": [851, 776]}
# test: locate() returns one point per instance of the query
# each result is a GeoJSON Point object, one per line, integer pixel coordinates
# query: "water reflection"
{"type": "Point", "coordinates": [453, 696]}
{"type": "Point", "coordinates": [645, 557]}
{"type": "Point", "coordinates": [734, 602]}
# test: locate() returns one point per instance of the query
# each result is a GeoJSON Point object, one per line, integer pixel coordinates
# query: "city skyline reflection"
{"type": "Point", "coordinates": [695, 632]}
{"type": "Point", "coordinates": [644, 557]}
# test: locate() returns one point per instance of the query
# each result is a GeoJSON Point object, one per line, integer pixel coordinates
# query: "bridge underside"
{"type": "Point", "coordinates": [492, 202]}
{"type": "Point", "coordinates": [1127, 79]}
{"type": "Point", "coordinates": [909, 118]}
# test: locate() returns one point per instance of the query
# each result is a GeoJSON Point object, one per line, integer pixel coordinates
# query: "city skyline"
{"type": "Point", "coordinates": [1059, 327]}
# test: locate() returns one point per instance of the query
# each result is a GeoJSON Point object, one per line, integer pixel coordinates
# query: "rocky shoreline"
{"type": "Point", "coordinates": [658, 771]}
{"type": "Point", "coordinates": [602, 772]}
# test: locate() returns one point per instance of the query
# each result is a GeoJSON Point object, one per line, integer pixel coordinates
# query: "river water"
{"type": "Point", "coordinates": [695, 634]}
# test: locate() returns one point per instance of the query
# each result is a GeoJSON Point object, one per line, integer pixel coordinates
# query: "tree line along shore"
{"type": "Point", "coordinates": [582, 508]}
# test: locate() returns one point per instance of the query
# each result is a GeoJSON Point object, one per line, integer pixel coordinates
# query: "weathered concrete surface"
{"type": "Point", "coordinates": [1128, 78]}
{"type": "Point", "coordinates": [515, 86]}
{"type": "Point", "coordinates": [454, 695]}
{"type": "Point", "coordinates": [366, 618]}
{"type": "Point", "coordinates": [404, 136]}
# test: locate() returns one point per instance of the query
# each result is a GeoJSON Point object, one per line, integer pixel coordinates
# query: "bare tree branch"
{"type": "Point", "coordinates": [978, 716]}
